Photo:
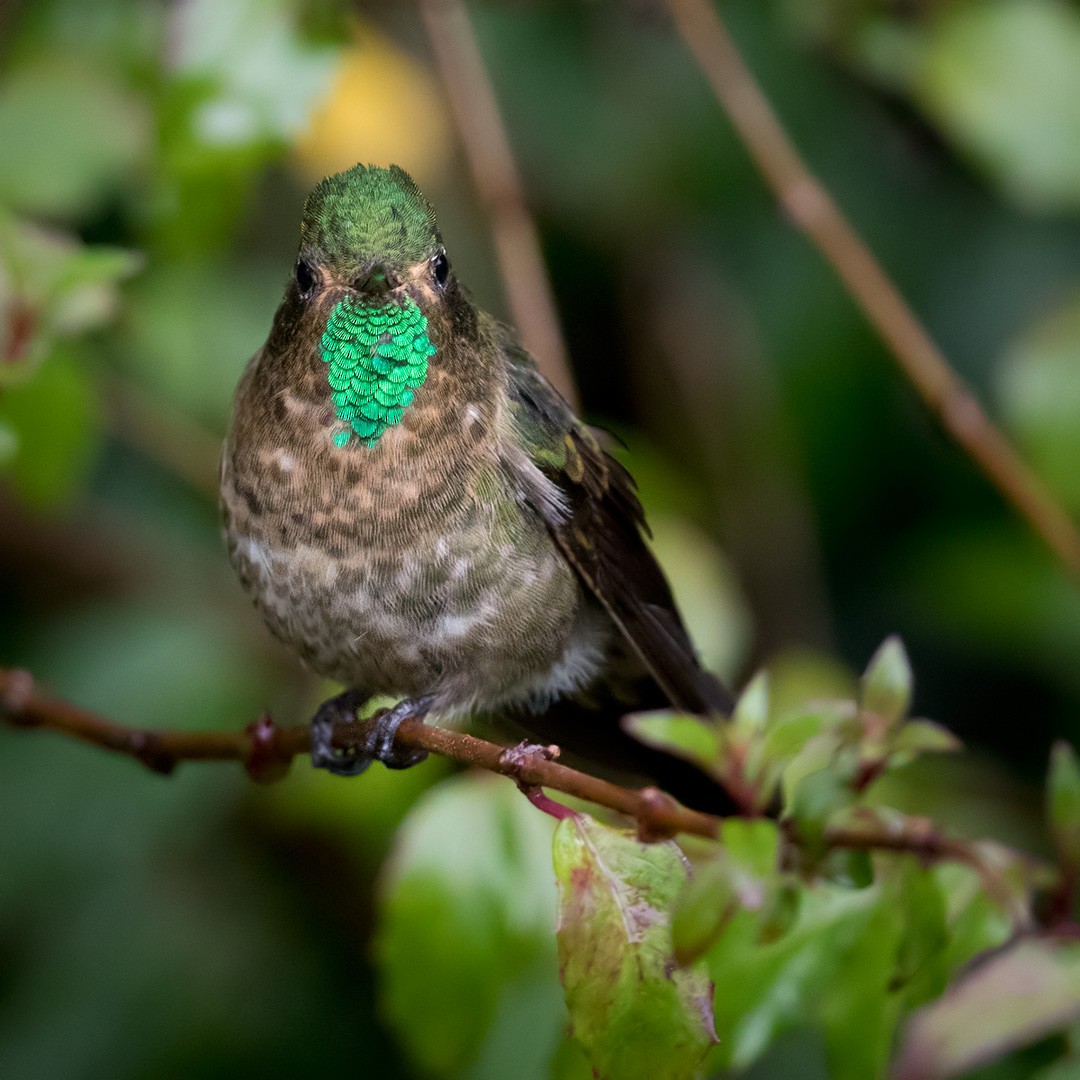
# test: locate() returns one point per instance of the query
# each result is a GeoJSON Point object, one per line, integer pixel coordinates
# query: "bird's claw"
{"type": "Point", "coordinates": [324, 754]}
{"type": "Point", "coordinates": [379, 744]}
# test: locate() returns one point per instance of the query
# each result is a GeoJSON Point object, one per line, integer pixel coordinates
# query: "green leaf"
{"type": "Point", "coordinates": [785, 737]}
{"type": "Point", "coordinates": [886, 686]}
{"type": "Point", "coordinates": [570, 1062]}
{"type": "Point", "coordinates": [708, 901]}
{"type": "Point", "coordinates": [684, 736]}
{"type": "Point", "coordinates": [832, 969]}
{"type": "Point", "coordinates": [817, 782]}
{"type": "Point", "coordinates": [637, 1014]}
{"type": "Point", "coordinates": [1004, 80]}
{"type": "Point", "coordinates": [56, 421]}
{"type": "Point", "coordinates": [906, 743]}
{"type": "Point", "coordinates": [920, 737]}
{"type": "Point", "coordinates": [467, 912]}
{"type": "Point", "coordinates": [1063, 795]}
{"type": "Point", "coordinates": [788, 735]}
{"type": "Point", "coordinates": [1008, 1001]}
{"type": "Point", "coordinates": [752, 709]}
{"type": "Point", "coordinates": [975, 921]}
{"type": "Point", "coordinates": [742, 874]}
{"type": "Point", "coordinates": [753, 844]}
{"type": "Point", "coordinates": [921, 969]}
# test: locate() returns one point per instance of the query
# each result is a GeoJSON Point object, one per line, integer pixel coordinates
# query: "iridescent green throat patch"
{"type": "Point", "coordinates": [378, 355]}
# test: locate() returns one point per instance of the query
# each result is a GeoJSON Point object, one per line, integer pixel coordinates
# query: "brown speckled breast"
{"type": "Point", "coordinates": [411, 567]}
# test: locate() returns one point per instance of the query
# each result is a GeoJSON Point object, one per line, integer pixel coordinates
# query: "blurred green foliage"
{"type": "Point", "coordinates": [154, 162]}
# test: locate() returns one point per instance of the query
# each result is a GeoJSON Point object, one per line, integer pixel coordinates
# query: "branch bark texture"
{"type": "Point", "coordinates": [266, 751]}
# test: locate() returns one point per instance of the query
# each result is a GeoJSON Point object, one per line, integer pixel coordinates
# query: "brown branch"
{"type": "Point", "coordinates": [262, 746]}
{"type": "Point", "coordinates": [813, 210]}
{"type": "Point", "coordinates": [921, 838]}
{"type": "Point", "coordinates": [496, 177]}
{"type": "Point", "coordinates": [266, 751]}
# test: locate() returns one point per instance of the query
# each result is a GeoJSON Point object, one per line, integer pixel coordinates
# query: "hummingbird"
{"type": "Point", "coordinates": [418, 513]}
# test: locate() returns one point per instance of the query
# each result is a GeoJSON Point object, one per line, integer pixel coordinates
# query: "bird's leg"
{"type": "Point", "coordinates": [379, 745]}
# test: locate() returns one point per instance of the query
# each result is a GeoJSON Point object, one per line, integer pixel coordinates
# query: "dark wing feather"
{"type": "Point", "coordinates": [598, 527]}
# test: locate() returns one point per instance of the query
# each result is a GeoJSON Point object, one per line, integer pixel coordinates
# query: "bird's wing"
{"type": "Point", "coordinates": [590, 505]}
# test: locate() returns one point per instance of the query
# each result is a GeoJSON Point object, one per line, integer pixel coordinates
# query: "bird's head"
{"type": "Point", "coordinates": [372, 300]}
{"type": "Point", "coordinates": [369, 234]}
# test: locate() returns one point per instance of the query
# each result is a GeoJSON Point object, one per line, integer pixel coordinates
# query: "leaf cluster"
{"type": "Point", "coordinates": [819, 913]}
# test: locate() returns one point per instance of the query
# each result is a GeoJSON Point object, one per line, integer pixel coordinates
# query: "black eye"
{"type": "Point", "coordinates": [305, 277]}
{"type": "Point", "coordinates": [440, 267]}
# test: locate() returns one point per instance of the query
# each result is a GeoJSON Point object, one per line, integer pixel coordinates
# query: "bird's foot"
{"type": "Point", "coordinates": [324, 754]}
{"type": "Point", "coordinates": [379, 744]}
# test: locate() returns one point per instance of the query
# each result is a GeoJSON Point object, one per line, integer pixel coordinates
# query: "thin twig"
{"type": "Point", "coordinates": [496, 177]}
{"type": "Point", "coordinates": [259, 744]}
{"type": "Point", "coordinates": [266, 751]}
{"type": "Point", "coordinates": [813, 210]}
{"type": "Point", "coordinates": [921, 838]}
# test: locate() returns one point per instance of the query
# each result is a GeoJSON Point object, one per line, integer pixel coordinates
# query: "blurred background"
{"type": "Point", "coordinates": [153, 163]}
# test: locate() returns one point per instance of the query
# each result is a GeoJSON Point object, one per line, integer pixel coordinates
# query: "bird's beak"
{"type": "Point", "coordinates": [376, 280]}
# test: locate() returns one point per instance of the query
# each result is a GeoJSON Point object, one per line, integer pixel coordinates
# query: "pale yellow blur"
{"type": "Point", "coordinates": [383, 107]}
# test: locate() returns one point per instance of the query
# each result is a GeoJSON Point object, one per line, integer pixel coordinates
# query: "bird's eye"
{"type": "Point", "coordinates": [305, 277]}
{"type": "Point", "coordinates": [440, 267]}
